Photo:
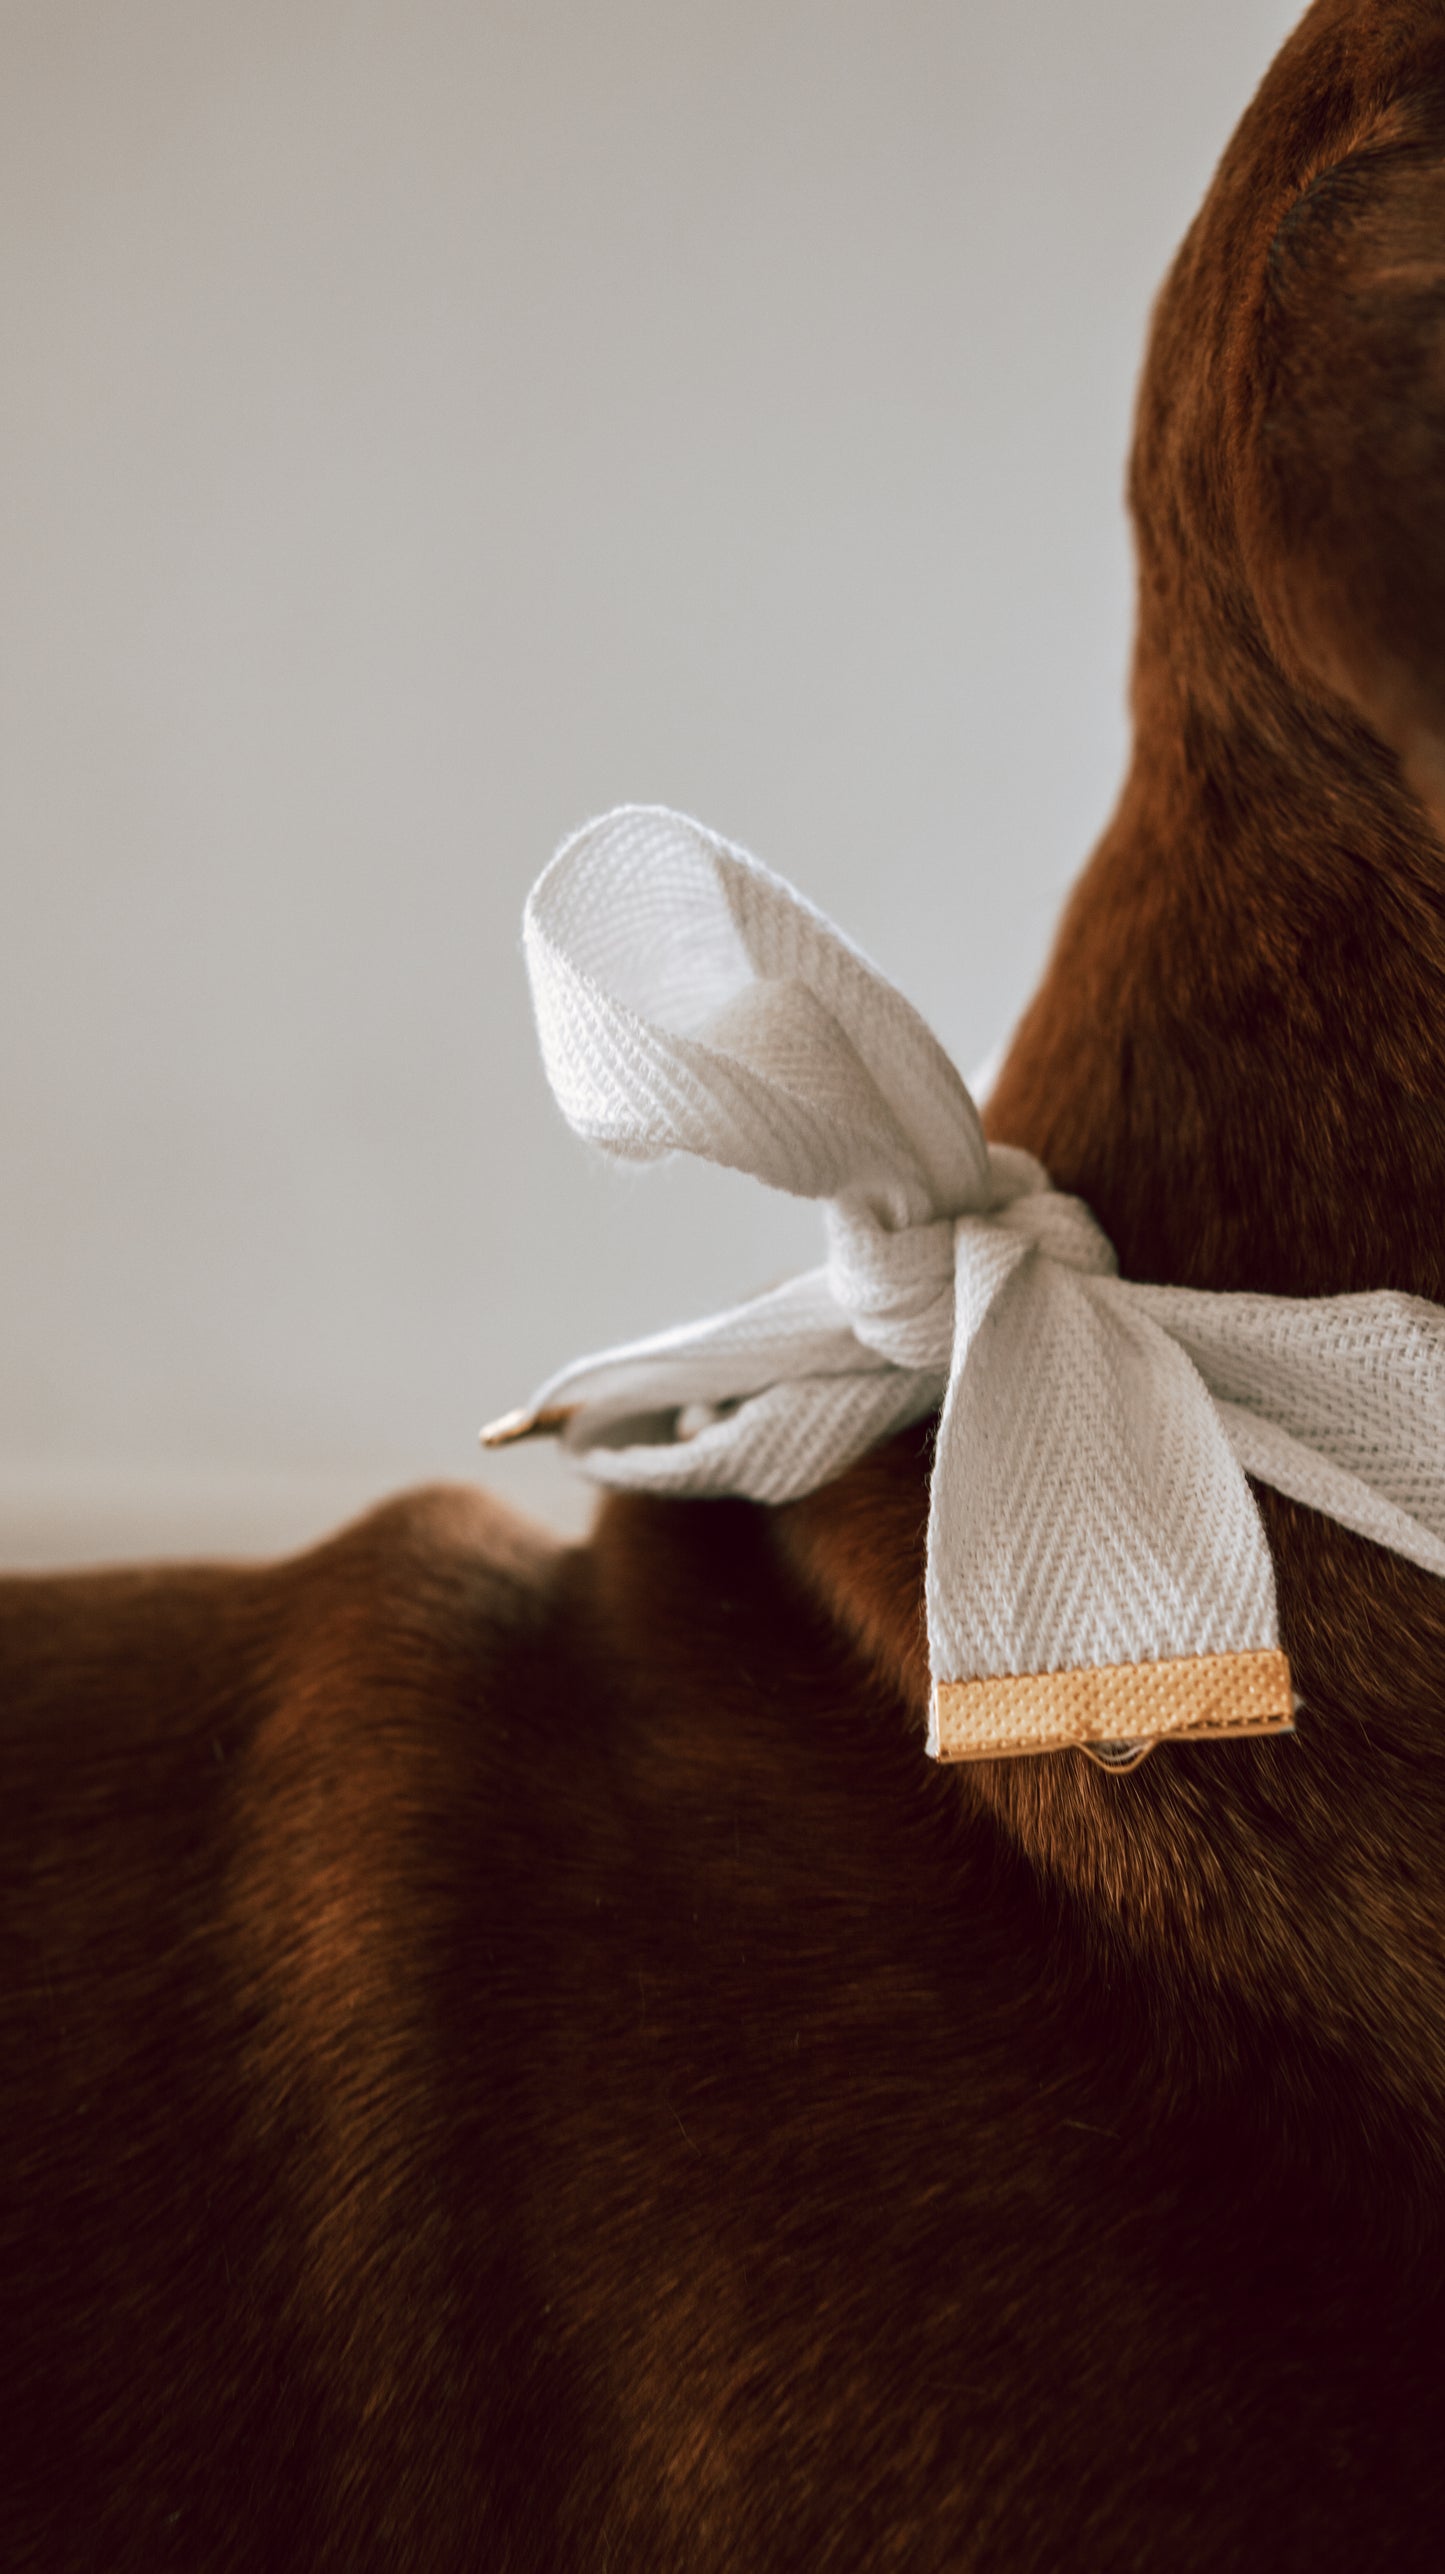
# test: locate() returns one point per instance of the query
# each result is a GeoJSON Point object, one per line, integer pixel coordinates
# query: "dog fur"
{"type": "Point", "coordinates": [513, 2058]}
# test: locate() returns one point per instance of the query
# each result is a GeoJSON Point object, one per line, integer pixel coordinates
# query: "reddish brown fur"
{"type": "Point", "coordinates": [517, 2060]}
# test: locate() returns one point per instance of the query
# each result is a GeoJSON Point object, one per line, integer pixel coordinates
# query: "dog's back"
{"type": "Point", "coordinates": [488, 2088]}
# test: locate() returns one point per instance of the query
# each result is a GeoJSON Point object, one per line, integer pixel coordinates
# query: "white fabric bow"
{"type": "Point", "coordinates": [1097, 1569]}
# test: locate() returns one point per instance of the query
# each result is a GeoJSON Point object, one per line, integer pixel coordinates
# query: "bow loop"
{"type": "Point", "coordinates": [688, 1001]}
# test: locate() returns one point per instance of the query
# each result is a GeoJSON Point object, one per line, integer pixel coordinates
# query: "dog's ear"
{"type": "Point", "coordinates": [1344, 523]}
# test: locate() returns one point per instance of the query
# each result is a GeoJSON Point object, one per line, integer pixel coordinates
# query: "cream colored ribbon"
{"type": "Point", "coordinates": [1097, 1568]}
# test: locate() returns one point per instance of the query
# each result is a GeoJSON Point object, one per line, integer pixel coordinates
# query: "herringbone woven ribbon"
{"type": "Point", "coordinates": [1097, 1568]}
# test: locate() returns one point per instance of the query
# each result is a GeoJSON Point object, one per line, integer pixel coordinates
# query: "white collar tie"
{"type": "Point", "coordinates": [1097, 1569]}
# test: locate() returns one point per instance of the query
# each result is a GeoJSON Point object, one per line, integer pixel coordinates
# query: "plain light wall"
{"type": "Point", "coordinates": [424, 425]}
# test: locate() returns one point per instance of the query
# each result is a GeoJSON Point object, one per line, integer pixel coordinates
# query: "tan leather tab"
{"type": "Point", "coordinates": [527, 1425]}
{"type": "Point", "coordinates": [1201, 1696]}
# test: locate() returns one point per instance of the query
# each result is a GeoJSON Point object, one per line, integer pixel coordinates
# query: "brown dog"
{"type": "Point", "coordinates": [515, 2059]}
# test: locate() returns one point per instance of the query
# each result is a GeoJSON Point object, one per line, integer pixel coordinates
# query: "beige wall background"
{"type": "Point", "coordinates": [423, 425]}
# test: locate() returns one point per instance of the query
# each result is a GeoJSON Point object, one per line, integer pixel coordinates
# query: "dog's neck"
{"type": "Point", "coordinates": [1237, 1057]}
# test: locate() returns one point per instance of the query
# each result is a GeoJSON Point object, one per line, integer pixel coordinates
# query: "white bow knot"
{"type": "Point", "coordinates": [896, 1289]}
{"type": "Point", "coordinates": [1052, 1222]}
{"type": "Point", "coordinates": [1097, 1570]}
